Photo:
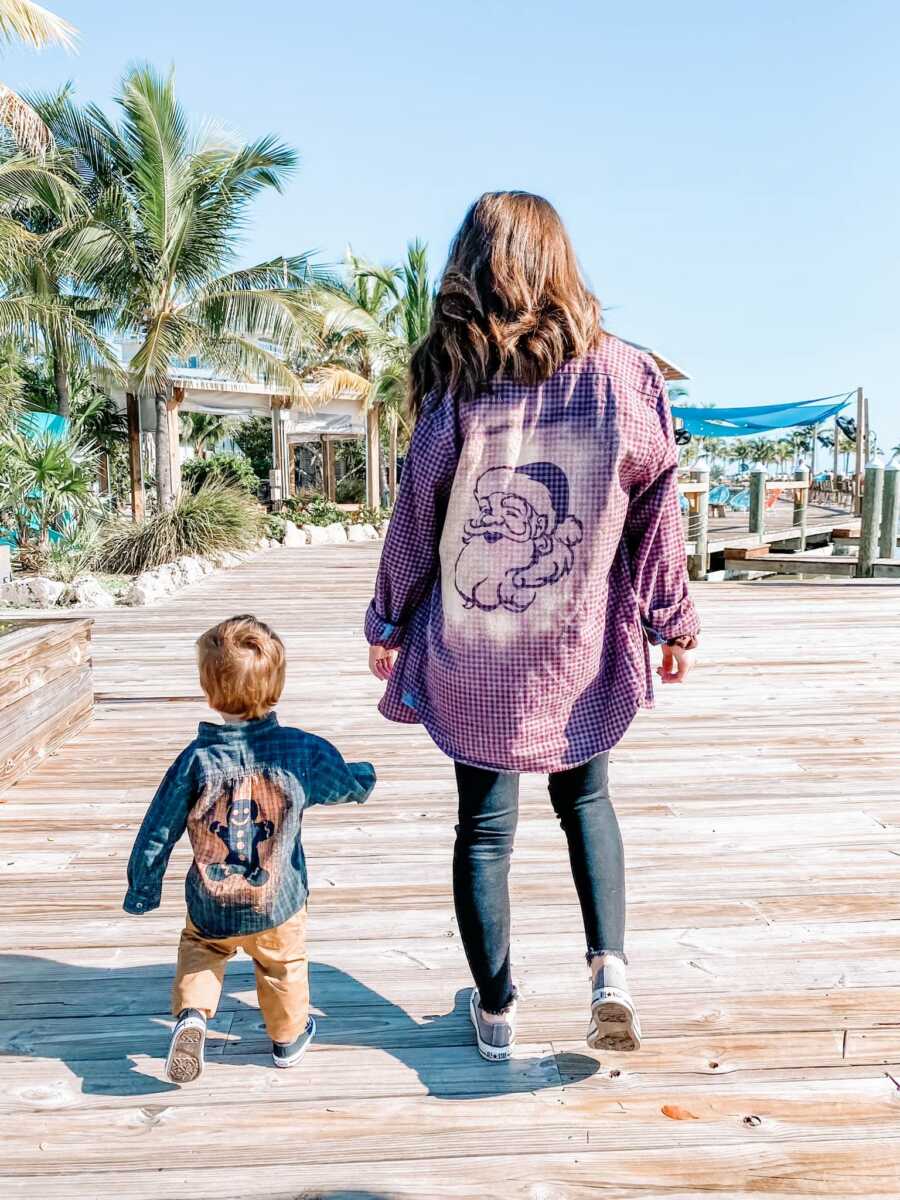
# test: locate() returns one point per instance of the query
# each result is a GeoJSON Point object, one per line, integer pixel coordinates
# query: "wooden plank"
{"type": "Point", "coordinates": [854, 1167]}
{"type": "Point", "coordinates": [45, 663]}
{"type": "Point", "coordinates": [423, 1127]}
{"type": "Point", "coordinates": [43, 721]}
{"type": "Point", "coordinates": [32, 637]}
{"type": "Point", "coordinates": [743, 552]}
{"type": "Point", "coordinates": [803, 564]}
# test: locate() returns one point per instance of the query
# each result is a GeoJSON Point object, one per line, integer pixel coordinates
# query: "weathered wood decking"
{"type": "Point", "coordinates": [761, 816]}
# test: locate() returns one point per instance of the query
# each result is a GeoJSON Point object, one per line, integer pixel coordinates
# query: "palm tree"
{"type": "Point", "coordinates": [45, 485]}
{"type": "Point", "coordinates": [163, 241]}
{"type": "Point", "coordinates": [61, 312]}
{"type": "Point", "coordinates": [98, 420]}
{"type": "Point", "coordinates": [201, 429]}
{"type": "Point", "coordinates": [42, 304]}
{"type": "Point", "coordinates": [742, 453]}
{"type": "Point", "coordinates": [23, 21]}
{"type": "Point", "coordinates": [379, 315]}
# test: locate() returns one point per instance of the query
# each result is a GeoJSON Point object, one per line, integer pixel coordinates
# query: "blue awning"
{"type": "Point", "coordinates": [762, 418]}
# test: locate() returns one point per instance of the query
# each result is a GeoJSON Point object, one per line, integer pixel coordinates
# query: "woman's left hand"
{"type": "Point", "coordinates": [381, 661]}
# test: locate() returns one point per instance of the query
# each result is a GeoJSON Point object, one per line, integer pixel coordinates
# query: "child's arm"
{"type": "Point", "coordinates": [333, 781]}
{"type": "Point", "coordinates": [162, 827]}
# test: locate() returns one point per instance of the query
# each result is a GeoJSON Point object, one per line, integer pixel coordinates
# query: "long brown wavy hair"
{"type": "Point", "coordinates": [512, 303]}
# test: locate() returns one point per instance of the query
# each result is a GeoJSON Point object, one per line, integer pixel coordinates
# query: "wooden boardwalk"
{"type": "Point", "coordinates": [761, 815]}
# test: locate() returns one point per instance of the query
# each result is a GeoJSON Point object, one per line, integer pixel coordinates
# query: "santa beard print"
{"type": "Point", "coordinates": [521, 538]}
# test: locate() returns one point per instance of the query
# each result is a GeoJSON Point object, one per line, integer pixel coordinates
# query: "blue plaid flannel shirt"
{"type": "Point", "coordinates": [240, 792]}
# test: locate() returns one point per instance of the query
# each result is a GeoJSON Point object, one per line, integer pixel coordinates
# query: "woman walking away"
{"type": "Point", "coordinates": [535, 551]}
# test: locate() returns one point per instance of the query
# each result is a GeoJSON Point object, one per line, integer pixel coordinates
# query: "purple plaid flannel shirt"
{"type": "Point", "coordinates": [535, 549]}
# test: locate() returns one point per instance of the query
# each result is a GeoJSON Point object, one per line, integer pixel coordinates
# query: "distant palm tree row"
{"type": "Point", "coordinates": [129, 227]}
{"type": "Point", "coordinates": [782, 454]}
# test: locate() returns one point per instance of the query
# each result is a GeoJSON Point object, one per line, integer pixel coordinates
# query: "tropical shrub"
{"type": "Point", "coordinates": [228, 470]}
{"type": "Point", "coordinates": [45, 490]}
{"type": "Point", "coordinates": [254, 436]}
{"type": "Point", "coordinates": [205, 522]}
{"type": "Point", "coordinates": [75, 552]}
{"type": "Point", "coordinates": [275, 526]}
{"type": "Point", "coordinates": [364, 515]}
{"type": "Point", "coordinates": [313, 510]}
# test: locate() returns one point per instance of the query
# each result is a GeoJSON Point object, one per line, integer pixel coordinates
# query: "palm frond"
{"type": "Point", "coordinates": [37, 321]}
{"type": "Point", "coordinates": [243, 358]}
{"type": "Point", "coordinates": [23, 123]}
{"type": "Point", "coordinates": [23, 21]}
{"type": "Point", "coordinates": [334, 382]}
{"type": "Point", "coordinates": [29, 181]}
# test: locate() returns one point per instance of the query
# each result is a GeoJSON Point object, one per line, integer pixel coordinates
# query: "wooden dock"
{"type": "Point", "coordinates": [761, 816]}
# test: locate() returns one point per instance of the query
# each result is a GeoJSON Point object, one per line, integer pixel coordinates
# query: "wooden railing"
{"type": "Point", "coordinates": [761, 487]}
{"type": "Point", "coordinates": [696, 492]}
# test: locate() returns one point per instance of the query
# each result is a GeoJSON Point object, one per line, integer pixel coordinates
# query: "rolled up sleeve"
{"type": "Point", "coordinates": [655, 537]}
{"type": "Point", "coordinates": [409, 560]}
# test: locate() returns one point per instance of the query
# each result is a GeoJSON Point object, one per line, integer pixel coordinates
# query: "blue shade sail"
{"type": "Point", "coordinates": [741, 422]}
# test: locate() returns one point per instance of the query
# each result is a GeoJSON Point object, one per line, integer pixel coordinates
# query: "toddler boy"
{"type": "Point", "coordinates": [240, 790]}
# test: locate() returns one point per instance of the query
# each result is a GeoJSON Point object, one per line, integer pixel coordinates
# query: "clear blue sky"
{"type": "Point", "coordinates": [729, 172]}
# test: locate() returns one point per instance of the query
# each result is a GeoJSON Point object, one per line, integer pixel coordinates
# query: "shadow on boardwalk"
{"type": "Point", "coordinates": [94, 1020]}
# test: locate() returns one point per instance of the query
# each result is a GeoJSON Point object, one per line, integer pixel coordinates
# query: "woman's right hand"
{"type": "Point", "coordinates": [381, 661]}
{"type": "Point", "coordinates": [676, 663]}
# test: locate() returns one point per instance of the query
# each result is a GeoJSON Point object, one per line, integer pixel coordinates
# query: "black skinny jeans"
{"type": "Point", "coordinates": [488, 813]}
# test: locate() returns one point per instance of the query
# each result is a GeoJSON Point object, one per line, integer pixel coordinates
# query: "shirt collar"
{"type": "Point", "coordinates": [208, 733]}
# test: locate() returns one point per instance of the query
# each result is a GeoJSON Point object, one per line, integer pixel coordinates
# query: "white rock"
{"type": "Point", "coordinates": [190, 568]}
{"type": "Point", "coordinates": [336, 533]}
{"type": "Point", "coordinates": [169, 576]}
{"type": "Point", "coordinates": [382, 532]}
{"type": "Point", "coordinates": [15, 593]}
{"type": "Point", "coordinates": [5, 565]}
{"type": "Point", "coordinates": [362, 533]}
{"type": "Point", "coordinates": [44, 593]}
{"type": "Point", "coordinates": [294, 536]}
{"type": "Point", "coordinates": [316, 535]}
{"type": "Point", "coordinates": [142, 590]}
{"type": "Point", "coordinates": [88, 592]}
{"type": "Point", "coordinates": [150, 587]}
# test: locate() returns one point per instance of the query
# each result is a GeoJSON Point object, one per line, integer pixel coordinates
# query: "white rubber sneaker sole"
{"type": "Point", "coordinates": [184, 1062]}
{"type": "Point", "coordinates": [487, 1051]}
{"type": "Point", "coordinates": [614, 1023]}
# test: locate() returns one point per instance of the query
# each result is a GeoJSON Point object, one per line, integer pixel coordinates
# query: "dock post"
{"type": "Point", "coordinates": [758, 501]}
{"type": "Point", "coordinates": [871, 521]}
{"type": "Point", "coordinates": [801, 502]}
{"type": "Point", "coordinates": [859, 468]}
{"type": "Point", "coordinates": [698, 528]}
{"type": "Point", "coordinates": [890, 513]}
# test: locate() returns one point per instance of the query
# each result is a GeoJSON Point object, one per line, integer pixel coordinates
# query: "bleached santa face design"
{"type": "Point", "coordinates": [508, 545]}
{"type": "Point", "coordinates": [505, 515]}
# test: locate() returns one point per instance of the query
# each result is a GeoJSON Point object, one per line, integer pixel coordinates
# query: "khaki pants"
{"type": "Point", "coordinates": [282, 982]}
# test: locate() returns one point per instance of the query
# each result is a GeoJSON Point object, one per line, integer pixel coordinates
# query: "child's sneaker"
{"type": "Point", "coordinates": [614, 1022]}
{"type": "Point", "coordinates": [495, 1038]}
{"type": "Point", "coordinates": [287, 1054]}
{"type": "Point", "coordinates": [185, 1059]}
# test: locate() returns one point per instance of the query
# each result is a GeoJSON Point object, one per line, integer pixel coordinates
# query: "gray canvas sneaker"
{"type": "Point", "coordinates": [495, 1038]}
{"type": "Point", "coordinates": [614, 1022]}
